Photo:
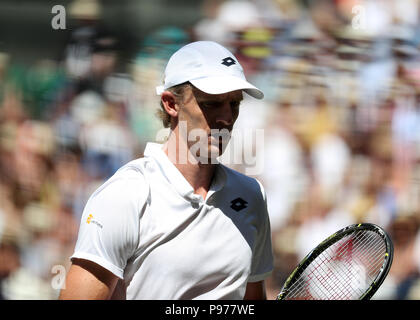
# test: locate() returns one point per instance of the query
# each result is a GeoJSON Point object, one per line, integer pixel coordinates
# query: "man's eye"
{"type": "Point", "coordinates": [209, 104]}
{"type": "Point", "coordinates": [235, 104]}
{"type": "Point", "coordinates": [215, 104]}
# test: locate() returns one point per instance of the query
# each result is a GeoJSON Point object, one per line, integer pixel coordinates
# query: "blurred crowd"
{"type": "Point", "coordinates": [341, 120]}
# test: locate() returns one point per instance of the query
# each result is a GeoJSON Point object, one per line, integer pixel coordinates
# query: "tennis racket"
{"type": "Point", "coordinates": [351, 264]}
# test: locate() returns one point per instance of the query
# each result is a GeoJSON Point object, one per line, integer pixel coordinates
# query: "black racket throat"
{"type": "Point", "coordinates": [351, 264]}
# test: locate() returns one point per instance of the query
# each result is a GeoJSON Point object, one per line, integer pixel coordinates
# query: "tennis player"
{"type": "Point", "coordinates": [176, 224]}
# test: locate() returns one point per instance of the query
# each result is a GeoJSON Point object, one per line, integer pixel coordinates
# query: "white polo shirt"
{"type": "Point", "coordinates": [146, 226]}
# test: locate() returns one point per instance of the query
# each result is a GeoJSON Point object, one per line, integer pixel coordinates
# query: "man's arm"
{"type": "Point", "coordinates": [255, 291]}
{"type": "Point", "coordinates": [87, 280]}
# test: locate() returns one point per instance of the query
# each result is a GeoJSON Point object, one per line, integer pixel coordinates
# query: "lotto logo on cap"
{"type": "Point", "coordinates": [209, 67]}
{"type": "Point", "coordinates": [228, 61]}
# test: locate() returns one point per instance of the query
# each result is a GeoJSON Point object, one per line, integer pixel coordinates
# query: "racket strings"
{"type": "Point", "coordinates": [345, 256]}
{"type": "Point", "coordinates": [347, 267]}
{"type": "Point", "coordinates": [376, 250]}
{"type": "Point", "coordinates": [373, 246]}
{"type": "Point", "coordinates": [319, 284]}
{"type": "Point", "coordinates": [343, 271]}
{"type": "Point", "coordinates": [327, 278]}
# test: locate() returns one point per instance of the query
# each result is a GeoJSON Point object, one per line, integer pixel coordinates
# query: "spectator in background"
{"type": "Point", "coordinates": [85, 20]}
{"type": "Point", "coordinates": [404, 273]}
{"type": "Point", "coordinates": [146, 70]}
{"type": "Point", "coordinates": [106, 144]}
{"type": "Point", "coordinates": [285, 168]}
{"type": "Point", "coordinates": [9, 260]}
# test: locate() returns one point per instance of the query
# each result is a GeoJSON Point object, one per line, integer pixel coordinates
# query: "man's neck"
{"type": "Point", "coordinates": [198, 175]}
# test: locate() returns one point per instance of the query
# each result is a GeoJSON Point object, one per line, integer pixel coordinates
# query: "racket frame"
{"type": "Point", "coordinates": [314, 253]}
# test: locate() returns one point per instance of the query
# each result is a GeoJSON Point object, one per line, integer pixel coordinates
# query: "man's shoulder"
{"type": "Point", "coordinates": [236, 179]}
{"type": "Point", "coordinates": [134, 169]}
{"type": "Point", "coordinates": [126, 181]}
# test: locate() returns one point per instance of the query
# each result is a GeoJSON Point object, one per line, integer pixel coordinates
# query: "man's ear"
{"type": "Point", "coordinates": [170, 104]}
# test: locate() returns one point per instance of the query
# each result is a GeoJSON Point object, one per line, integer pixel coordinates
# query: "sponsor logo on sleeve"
{"type": "Point", "coordinates": [90, 220]}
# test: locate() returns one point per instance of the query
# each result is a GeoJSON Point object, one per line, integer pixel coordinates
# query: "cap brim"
{"type": "Point", "coordinates": [219, 85]}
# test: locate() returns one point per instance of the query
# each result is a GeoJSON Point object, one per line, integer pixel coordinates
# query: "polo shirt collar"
{"type": "Point", "coordinates": [175, 177]}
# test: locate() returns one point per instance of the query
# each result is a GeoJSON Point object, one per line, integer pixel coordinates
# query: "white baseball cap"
{"type": "Point", "coordinates": [209, 67]}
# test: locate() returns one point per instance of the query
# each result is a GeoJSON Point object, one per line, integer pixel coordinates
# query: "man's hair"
{"type": "Point", "coordinates": [178, 92]}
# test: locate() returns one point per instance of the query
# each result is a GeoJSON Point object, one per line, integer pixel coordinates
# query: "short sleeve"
{"type": "Point", "coordinates": [109, 227]}
{"type": "Point", "coordinates": [262, 260]}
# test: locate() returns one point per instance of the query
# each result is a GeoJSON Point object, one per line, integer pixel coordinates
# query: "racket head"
{"type": "Point", "coordinates": [350, 234]}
